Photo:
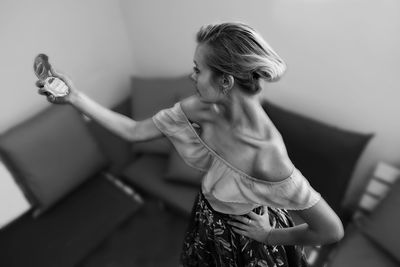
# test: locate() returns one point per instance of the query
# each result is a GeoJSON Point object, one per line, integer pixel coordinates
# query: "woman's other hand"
{"type": "Point", "coordinates": [72, 91]}
{"type": "Point", "coordinates": [254, 226]}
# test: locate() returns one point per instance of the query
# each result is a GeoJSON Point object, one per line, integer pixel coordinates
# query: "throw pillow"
{"type": "Point", "coordinates": [382, 225]}
{"type": "Point", "coordinates": [325, 154]}
{"type": "Point", "coordinates": [150, 95]}
{"type": "Point", "coordinates": [179, 171]}
{"type": "Point", "coordinates": [51, 154]}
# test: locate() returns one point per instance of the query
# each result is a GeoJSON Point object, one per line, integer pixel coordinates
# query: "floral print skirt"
{"type": "Point", "coordinates": [210, 241]}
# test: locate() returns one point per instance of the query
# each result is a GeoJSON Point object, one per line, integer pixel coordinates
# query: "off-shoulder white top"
{"type": "Point", "coordinates": [228, 189]}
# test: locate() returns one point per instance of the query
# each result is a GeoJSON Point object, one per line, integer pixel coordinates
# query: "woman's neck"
{"type": "Point", "coordinates": [242, 112]}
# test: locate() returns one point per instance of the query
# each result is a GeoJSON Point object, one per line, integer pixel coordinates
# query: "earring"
{"type": "Point", "coordinates": [225, 91]}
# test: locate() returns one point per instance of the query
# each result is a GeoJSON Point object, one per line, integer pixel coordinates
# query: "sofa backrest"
{"type": "Point", "coordinates": [51, 154]}
{"type": "Point", "coordinates": [150, 95]}
{"type": "Point", "coordinates": [326, 155]}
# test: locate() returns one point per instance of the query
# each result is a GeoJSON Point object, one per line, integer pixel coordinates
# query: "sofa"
{"type": "Point", "coordinates": [60, 162]}
{"type": "Point", "coordinates": [372, 238]}
{"type": "Point", "coordinates": [69, 166]}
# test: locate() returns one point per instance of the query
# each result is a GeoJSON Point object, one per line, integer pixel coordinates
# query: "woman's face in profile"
{"type": "Point", "coordinates": [206, 87]}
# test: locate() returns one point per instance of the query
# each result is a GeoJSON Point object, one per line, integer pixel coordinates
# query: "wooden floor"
{"type": "Point", "coordinates": [152, 237]}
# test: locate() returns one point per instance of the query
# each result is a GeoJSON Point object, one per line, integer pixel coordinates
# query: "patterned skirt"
{"type": "Point", "coordinates": [210, 241]}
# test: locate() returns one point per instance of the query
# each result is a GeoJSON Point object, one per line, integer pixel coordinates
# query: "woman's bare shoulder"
{"type": "Point", "coordinates": [195, 109]}
{"type": "Point", "coordinates": [272, 163]}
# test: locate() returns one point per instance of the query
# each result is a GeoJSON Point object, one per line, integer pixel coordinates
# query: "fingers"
{"type": "Point", "coordinates": [240, 232]}
{"type": "Point", "coordinates": [39, 83]}
{"type": "Point", "coordinates": [239, 218]}
{"type": "Point", "coordinates": [253, 215]}
{"type": "Point", "coordinates": [43, 91]}
{"type": "Point", "coordinates": [242, 220]}
{"type": "Point", "coordinates": [51, 98]}
{"type": "Point", "coordinates": [265, 210]}
{"type": "Point", "coordinates": [266, 216]}
{"type": "Point", "coordinates": [238, 225]}
{"type": "Point", "coordinates": [62, 77]}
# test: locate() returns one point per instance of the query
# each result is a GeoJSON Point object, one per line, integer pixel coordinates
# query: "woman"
{"type": "Point", "coordinates": [239, 217]}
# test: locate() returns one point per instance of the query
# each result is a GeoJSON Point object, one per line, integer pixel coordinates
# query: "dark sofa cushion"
{"type": "Point", "coordinates": [150, 95]}
{"type": "Point", "coordinates": [65, 235]}
{"type": "Point", "coordinates": [325, 154]}
{"type": "Point", "coordinates": [147, 174]}
{"type": "Point", "coordinates": [51, 154]}
{"type": "Point", "coordinates": [382, 224]}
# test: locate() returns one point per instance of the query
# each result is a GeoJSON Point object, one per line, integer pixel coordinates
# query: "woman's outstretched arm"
{"type": "Point", "coordinates": [117, 123]}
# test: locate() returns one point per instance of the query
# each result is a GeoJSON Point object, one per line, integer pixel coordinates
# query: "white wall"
{"type": "Point", "coordinates": [342, 55]}
{"type": "Point", "coordinates": [85, 39]}
{"type": "Point", "coordinates": [13, 202]}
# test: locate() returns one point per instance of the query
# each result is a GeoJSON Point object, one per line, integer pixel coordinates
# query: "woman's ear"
{"type": "Point", "coordinates": [226, 82]}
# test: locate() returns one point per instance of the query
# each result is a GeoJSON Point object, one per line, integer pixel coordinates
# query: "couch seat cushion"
{"type": "Point", "coordinates": [66, 234]}
{"type": "Point", "coordinates": [147, 173]}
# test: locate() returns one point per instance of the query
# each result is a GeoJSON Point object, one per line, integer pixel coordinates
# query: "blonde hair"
{"type": "Point", "coordinates": [238, 50]}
